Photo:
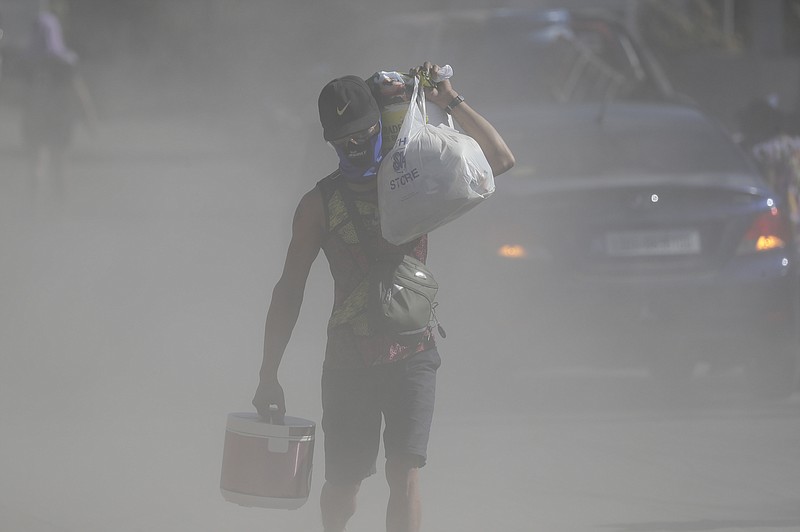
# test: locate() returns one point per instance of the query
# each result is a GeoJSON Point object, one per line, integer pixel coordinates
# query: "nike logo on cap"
{"type": "Point", "coordinates": [341, 111]}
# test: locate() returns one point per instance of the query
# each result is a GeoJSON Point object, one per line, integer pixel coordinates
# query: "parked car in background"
{"type": "Point", "coordinates": [633, 231]}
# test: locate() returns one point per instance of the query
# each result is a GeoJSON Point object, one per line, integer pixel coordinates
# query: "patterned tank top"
{"type": "Point", "coordinates": [351, 342]}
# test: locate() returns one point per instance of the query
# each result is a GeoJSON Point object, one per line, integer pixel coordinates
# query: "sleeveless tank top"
{"type": "Point", "coordinates": [351, 342]}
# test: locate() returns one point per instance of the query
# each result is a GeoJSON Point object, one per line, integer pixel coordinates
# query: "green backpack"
{"type": "Point", "coordinates": [400, 301]}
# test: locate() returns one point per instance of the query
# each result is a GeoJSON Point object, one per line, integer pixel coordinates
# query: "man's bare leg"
{"type": "Point", "coordinates": [404, 511]}
{"type": "Point", "coordinates": [338, 504]}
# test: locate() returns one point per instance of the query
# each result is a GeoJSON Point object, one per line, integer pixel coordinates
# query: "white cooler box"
{"type": "Point", "coordinates": [266, 465]}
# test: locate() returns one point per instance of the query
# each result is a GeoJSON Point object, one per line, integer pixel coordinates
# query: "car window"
{"type": "Point", "coordinates": [680, 145]}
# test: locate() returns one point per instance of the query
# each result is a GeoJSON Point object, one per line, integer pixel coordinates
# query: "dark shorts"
{"type": "Point", "coordinates": [355, 401]}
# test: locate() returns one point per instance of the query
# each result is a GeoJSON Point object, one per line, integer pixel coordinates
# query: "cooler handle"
{"type": "Point", "coordinates": [275, 415]}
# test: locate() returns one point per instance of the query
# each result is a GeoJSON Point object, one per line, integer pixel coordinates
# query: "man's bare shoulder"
{"type": "Point", "coordinates": [310, 212]}
{"type": "Point", "coordinates": [311, 202]}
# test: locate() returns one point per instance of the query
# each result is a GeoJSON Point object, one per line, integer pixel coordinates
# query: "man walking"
{"type": "Point", "coordinates": [367, 377]}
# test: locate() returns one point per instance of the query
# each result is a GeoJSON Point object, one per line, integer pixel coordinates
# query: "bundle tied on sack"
{"type": "Point", "coordinates": [394, 90]}
{"type": "Point", "coordinates": [432, 175]}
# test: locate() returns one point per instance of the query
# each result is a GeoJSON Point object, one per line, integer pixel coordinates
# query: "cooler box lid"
{"type": "Point", "coordinates": [251, 424]}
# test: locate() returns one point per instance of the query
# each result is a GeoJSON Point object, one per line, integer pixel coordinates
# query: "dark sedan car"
{"type": "Point", "coordinates": [633, 231]}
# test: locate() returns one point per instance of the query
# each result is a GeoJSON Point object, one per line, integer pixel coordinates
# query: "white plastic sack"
{"type": "Point", "coordinates": [432, 175]}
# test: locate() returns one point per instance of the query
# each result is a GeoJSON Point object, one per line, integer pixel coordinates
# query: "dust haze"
{"type": "Point", "coordinates": [134, 291]}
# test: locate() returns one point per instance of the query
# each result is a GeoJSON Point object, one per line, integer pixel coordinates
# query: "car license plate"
{"type": "Point", "coordinates": [652, 243]}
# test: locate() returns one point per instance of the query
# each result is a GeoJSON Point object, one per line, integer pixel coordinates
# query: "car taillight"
{"type": "Point", "coordinates": [770, 230]}
{"type": "Point", "coordinates": [512, 251]}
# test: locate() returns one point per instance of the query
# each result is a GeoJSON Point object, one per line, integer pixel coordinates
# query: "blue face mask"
{"type": "Point", "coordinates": [360, 162]}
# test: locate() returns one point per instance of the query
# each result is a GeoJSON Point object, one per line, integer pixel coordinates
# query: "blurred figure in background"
{"type": "Point", "coordinates": [772, 138]}
{"type": "Point", "coordinates": [55, 95]}
{"type": "Point", "coordinates": [1, 47]}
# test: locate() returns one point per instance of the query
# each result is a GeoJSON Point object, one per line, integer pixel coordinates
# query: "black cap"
{"type": "Point", "coordinates": [346, 106]}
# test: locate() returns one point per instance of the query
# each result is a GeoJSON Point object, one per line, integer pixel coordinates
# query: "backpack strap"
{"type": "Point", "coordinates": [371, 251]}
{"type": "Point", "coordinates": [355, 219]}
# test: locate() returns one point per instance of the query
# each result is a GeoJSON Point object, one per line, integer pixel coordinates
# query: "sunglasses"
{"type": "Point", "coordinates": [359, 137]}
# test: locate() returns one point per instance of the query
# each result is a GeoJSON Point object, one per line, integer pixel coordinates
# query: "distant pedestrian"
{"type": "Point", "coordinates": [55, 96]}
{"type": "Point", "coordinates": [774, 141]}
{"type": "Point", "coordinates": [1, 47]}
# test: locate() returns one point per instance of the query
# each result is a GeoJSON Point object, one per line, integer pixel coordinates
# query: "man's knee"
{"type": "Point", "coordinates": [340, 492]}
{"type": "Point", "coordinates": [402, 469]}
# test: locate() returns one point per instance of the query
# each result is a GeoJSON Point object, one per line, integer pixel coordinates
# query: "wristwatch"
{"type": "Point", "coordinates": [453, 104]}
